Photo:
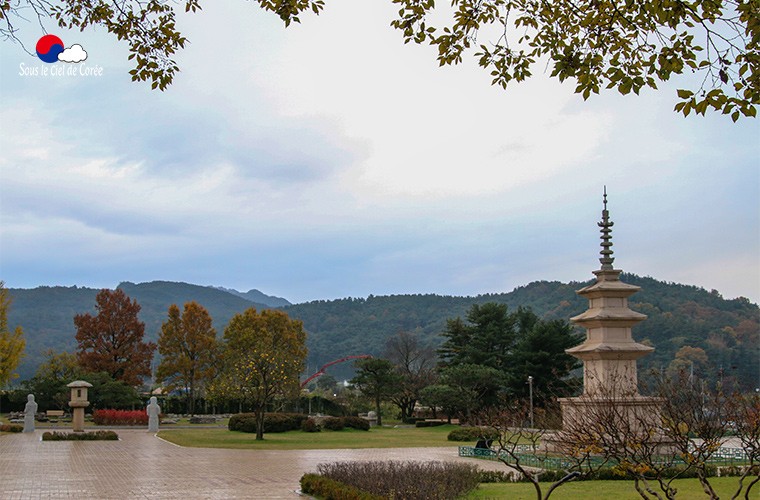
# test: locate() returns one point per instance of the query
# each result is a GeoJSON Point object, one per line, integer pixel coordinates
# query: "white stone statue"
{"type": "Point", "coordinates": [30, 410]}
{"type": "Point", "coordinates": [154, 410]}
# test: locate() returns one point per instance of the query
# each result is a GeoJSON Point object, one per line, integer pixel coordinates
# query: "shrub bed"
{"type": "Point", "coordinates": [310, 425]}
{"type": "Point", "coordinates": [605, 474]}
{"type": "Point", "coordinates": [405, 480]}
{"type": "Point", "coordinates": [329, 489]}
{"type": "Point", "coordinates": [333, 424]}
{"type": "Point", "coordinates": [429, 423]}
{"type": "Point", "coordinates": [473, 434]}
{"type": "Point", "coordinates": [359, 423]}
{"type": "Point", "coordinates": [120, 417]}
{"type": "Point", "coordinates": [273, 422]}
{"type": "Point", "coordinates": [80, 436]}
{"type": "Point", "coordinates": [11, 428]}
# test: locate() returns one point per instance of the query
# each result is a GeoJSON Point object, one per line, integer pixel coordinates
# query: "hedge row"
{"type": "Point", "coordinates": [329, 489]}
{"type": "Point", "coordinates": [429, 423]}
{"type": "Point", "coordinates": [473, 434]}
{"type": "Point", "coordinates": [405, 480]}
{"type": "Point", "coordinates": [358, 423]}
{"type": "Point", "coordinates": [273, 422]}
{"type": "Point", "coordinates": [120, 417]}
{"type": "Point", "coordinates": [610, 473]}
{"type": "Point", "coordinates": [11, 428]}
{"type": "Point", "coordinates": [283, 422]}
{"type": "Point", "coordinates": [80, 436]}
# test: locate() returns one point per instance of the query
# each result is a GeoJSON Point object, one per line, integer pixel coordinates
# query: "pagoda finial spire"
{"type": "Point", "coordinates": [606, 229]}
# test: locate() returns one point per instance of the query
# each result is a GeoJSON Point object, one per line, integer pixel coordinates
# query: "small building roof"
{"type": "Point", "coordinates": [78, 383]}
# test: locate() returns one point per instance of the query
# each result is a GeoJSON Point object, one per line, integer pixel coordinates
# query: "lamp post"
{"type": "Point", "coordinates": [530, 389]}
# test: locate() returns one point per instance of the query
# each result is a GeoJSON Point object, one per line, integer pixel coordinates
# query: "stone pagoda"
{"type": "Point", "coordinates": [609, 352]}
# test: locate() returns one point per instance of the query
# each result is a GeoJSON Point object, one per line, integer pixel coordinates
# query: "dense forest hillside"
{"type": "Point", "coordinates": [47, 313]}
{"type": "Point", "coordinates": [688, 326]}
{"type": "Point", "coordinates": [704, 330]}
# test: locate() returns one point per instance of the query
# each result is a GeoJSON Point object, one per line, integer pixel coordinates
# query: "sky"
{"type": "Point", "coordinates": [330, 160]}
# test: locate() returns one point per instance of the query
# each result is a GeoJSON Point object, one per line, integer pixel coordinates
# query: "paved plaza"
{"type": "Point", "coordinates": [142, 465]}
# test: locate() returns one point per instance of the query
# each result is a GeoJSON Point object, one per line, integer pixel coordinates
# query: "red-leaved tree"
{"type": "Point", "coordinates": [112, 340]}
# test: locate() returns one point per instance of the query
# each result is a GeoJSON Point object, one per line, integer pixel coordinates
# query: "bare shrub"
{"type": "Point", "coordinates": [405, 480]}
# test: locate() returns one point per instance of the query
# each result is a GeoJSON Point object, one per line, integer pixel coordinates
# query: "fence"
{"type": "Point", "coordinates": [527, 456]}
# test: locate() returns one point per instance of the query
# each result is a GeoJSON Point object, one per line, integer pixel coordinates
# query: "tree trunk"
{"type": "Point", "coordinates": [410, 408]}
{"type": "Point", "coordinates": [191, 401]}
{"type": "Point", "coordinates": [260, 423]}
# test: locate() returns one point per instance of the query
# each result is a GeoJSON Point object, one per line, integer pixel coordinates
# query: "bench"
{"type": "Point", "coordinates": [53, 414]}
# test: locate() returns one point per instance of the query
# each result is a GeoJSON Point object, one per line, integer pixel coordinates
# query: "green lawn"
{"type": "Point", "coordinates": [385, 437]}
{"type": "Point", "coordinates": [582, 490]}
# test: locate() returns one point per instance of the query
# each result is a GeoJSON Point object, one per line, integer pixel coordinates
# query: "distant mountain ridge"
{"type": "Point", "coordinates": [682, 320]}
{"type": "Point", "coordinates": [256, 296]}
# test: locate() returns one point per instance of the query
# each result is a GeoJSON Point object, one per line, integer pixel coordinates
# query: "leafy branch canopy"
{"type": "Point", "coordinates": [625, 45]}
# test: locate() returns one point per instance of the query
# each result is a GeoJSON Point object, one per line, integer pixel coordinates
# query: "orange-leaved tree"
{"type": "Point", "coordinates": [263, 355]}
{"type": "Point", "coordinates": [112, 340]}
{"type": "Point", "coordinates": [11, 342]}
{"type": "Point", "coordinates": [187, 344]}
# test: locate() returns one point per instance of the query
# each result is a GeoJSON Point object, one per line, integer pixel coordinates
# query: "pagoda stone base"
{"type": "Point", "coordinates": [589, 421]}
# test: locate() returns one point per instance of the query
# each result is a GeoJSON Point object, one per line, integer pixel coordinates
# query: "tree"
{"type": "Point", "coordinates": [691, 409]}
{"type": "Point", "coordinates": [744, 413]}
{"type": "Point", "coordinates": [376, 378]}
{"type": "Point", "coordinates": [476, 385]}
{"type": "Point", "coordinates": [625, 45]}
{"type": "Point", "coordinates": [517, 345]}
{"type": "Point", "coordinates": [540, 353]}
{"type": "Point", "coordinates": [112, 340]}
{"type": "Point", "coordinates": [187, 344]}
{"type": "Point", "coordinates": [515, 443]}
{"type": "Point", "coordinates": [262, 358]}
{"type": "Point", "coordinates": [327, 383]}
{"type": "Point", "coordinates": [11, 343]}
{"type": "Point", "coordinates": [646, 438]}
{"type": "Point", "coordinates": [447, 398]}
{"type": "Point", "coordinates": [49, 384]}
{"type": "Point", "coordinates": [486, 339]}
{"type": "Point", "coordinates": [415, 364]}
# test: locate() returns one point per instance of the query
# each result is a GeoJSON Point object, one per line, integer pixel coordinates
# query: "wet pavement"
{"type": "Point", "coordinates": [141, 465]}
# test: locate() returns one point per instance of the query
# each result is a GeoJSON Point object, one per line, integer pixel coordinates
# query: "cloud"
{"type": "Point", "coordinates": [73, 54]}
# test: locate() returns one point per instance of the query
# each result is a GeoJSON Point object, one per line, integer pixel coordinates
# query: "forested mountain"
{"type": "Point", "coordinates": [698, 326]}
{"type": "Point", "coordinates": [688, 326]}
{"type": "Point", "coordinates": [47, 313]}
{"type": "Point", "coordinates": [256, 296]}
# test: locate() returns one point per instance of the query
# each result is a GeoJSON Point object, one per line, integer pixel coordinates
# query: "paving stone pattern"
{"type": "Point", "coordinates": [141, 465]}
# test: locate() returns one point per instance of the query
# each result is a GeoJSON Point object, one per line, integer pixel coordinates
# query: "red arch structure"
{"type": "Point", "coordinates": [321, 370]}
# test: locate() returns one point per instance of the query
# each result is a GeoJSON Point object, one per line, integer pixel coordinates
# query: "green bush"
{"type": "Point", "coordinates": [405, 480]}
{"type": "Point", "coordinates": [495, 476]}
{"type": "Point", "coordinates": [411, 420]}
{"type": "Point", "coordinates": [359, 423]}
{"type": "Point", "coordinates": [429, 423]}
{"type": "Point", "coordinates": [11, 428]}
{"type": "Point", "coordinates": [328, 489]}
{"type": "Point", "coordinates": [333, 424]}
{"type": "Point", "coordinates": [273, 422]}
{"type": "Point", "coordinates": [242, 422]}
{"type": "Point", "coordinates": [473, 434]}
{"type": "Point", "coordinates": [310, 425]}
{"type": "Point", "coordinates": [80, 436]}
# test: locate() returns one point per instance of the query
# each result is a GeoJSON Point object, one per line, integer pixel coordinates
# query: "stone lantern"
{"type": "Point", "coordinates": [79, 402]}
